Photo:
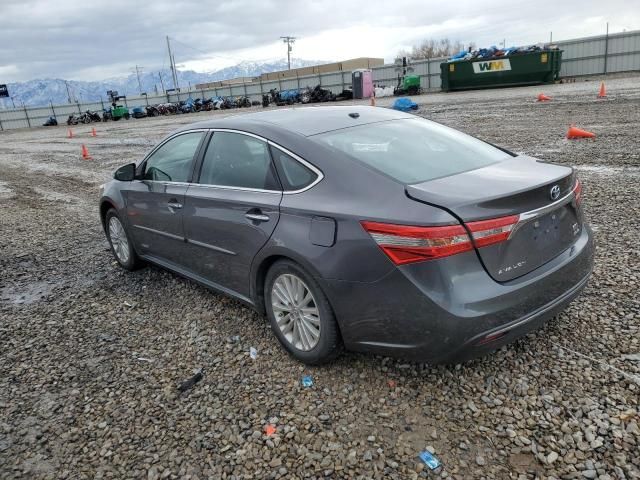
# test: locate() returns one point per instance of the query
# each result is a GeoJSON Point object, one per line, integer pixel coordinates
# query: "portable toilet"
{"type": "Point", "coordinates": [362, 80]}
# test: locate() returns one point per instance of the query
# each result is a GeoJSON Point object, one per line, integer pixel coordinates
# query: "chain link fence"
{"type": "Point", "coordinates": [619, 52]}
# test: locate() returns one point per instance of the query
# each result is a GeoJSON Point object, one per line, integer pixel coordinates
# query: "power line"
{"type": "Point", "coordinates": [289, 41]}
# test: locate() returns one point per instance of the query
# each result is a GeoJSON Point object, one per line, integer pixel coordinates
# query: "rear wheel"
{"type": "Point", "coordinates": [300, 314]}
{"type": "Point", "coordinates": [121, 245]}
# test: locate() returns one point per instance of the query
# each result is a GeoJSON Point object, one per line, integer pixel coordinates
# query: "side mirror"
{"type": "Point", "coordinates": [126, 173]}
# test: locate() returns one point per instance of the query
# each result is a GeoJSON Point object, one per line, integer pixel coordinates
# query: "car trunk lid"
{"type": "Point", "coordinates": [539, 195]}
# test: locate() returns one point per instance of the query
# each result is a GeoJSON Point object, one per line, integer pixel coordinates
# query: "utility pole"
{"type": "Point", "coordinates": [172, 61]}
{"type": "Point", "coordinates": [289, 41]}
{"type": "Point", "coordinates": [137, 71]}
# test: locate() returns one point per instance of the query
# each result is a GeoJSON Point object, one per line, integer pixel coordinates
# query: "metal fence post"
{"type": "Point", "coordinates": [78, 105]}
{"type": "Point", "coordinates": [53, 111]}
{"type": "Point", "coordinates": [26, 114]}
{"type": "Point", "coordinates": [606, 48]}
{"type": "Point", "coordinates": [1, 129]}
{"type": "Point", "coordinates": [428, 73]}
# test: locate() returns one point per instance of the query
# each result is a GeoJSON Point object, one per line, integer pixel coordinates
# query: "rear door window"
{"type": "Point", "coordinates": [413, 150]}
{"type": "Point", "coordinates": [240, 161]}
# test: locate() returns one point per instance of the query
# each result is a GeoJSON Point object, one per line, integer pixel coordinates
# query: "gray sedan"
{"type": "Point", "coordinates": [358, 227]}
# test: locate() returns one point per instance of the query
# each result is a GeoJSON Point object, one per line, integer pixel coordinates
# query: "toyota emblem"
{"type": "Point", "coordinates": [554, 193]}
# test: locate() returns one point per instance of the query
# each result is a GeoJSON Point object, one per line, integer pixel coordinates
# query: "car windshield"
{"type": "Point", "coordinates": [413, 150]}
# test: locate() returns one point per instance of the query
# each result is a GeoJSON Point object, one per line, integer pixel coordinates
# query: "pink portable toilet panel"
{"type": "Point", "coordinates": [367, 83]}
{"type": "Point", "coordinates": [362, 83]}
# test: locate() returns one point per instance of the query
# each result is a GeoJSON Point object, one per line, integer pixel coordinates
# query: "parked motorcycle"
{"type": "Point", "coordinates": [95, 116]}
{"type": "Point", "coordinates": [152, 111]}
{"type": "Point", "coordinates": [51, 122]}
{"type": "Point", "coordinates": [243, 102]}
{"type": "Point", "coordinates": [73, 119]}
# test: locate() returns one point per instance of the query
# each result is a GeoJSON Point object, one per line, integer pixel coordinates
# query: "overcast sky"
{"type": "Point", "coordinates": [97, 39]}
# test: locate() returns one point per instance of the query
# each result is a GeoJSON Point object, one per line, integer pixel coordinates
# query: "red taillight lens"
{"type": "Point", "coordinates": [488, 232]}
{"type": "Point", "coordinates": [408, 244]}
{"type": "Point", "coordinates": [577, 192]}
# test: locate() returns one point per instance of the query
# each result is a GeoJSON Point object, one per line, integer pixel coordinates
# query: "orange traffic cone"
{"type": "Point", "coordinates": [578, 133]}
{"type": "Point", "coordinates": [373, 100]}
{"type": "Point", "coordinates": [85, 153]}
{"type": "Point", "coordinates": [603, 92]}
{"type": "Point", "coordinates": [543, 98]}
{"type": "Point", "coordinates": [93, 132]}
{"type": "Point", "coordinates": [70, 134]}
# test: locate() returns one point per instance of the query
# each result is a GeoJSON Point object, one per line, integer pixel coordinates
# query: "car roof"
{"type": "Point", "coordinates": [305, 121]}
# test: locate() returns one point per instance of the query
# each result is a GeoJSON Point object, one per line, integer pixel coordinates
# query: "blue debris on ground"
{"type": "Point", "coordinates": [430, 460]}
{"type": "Point", "coordinates": [404, 104]}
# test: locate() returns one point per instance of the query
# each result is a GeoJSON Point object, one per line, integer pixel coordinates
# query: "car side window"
{"type": "Point", "coordinates": [237, 160]}
{"type": "Point", "coordinates": [293, 174]}
{"type": "Point", "coordinates": [172, 162]}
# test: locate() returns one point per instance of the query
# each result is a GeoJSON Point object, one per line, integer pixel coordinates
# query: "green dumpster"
{"type": "Point", "coordinates": [519, 69]}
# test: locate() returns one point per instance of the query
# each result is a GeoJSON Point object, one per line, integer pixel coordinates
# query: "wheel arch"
{"type": "Point", "coordinates": [105, 206]}
{"type": "Point", "coordinates": [262, 265]}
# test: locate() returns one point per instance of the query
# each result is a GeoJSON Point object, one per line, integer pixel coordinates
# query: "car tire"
{"type": "Point", "coordinates": [297, 333]}
{"type": "Point", "coordinates": [120, 242]}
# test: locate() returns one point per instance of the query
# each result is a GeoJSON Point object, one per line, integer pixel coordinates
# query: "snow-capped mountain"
{"type": "Point", "coordinates": [42, 91]}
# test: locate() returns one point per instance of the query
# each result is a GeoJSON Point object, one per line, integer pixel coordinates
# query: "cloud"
{"type": "Point", "coordinates": [98, 39]}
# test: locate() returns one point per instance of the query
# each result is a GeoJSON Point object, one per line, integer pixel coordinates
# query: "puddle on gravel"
{"type": "Point", "coordinates": [5, 192]}
{"type": "Point", "coordinates": [26, 294]}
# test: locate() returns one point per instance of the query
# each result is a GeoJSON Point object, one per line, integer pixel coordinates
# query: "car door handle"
{"type": "Point", "coordinates": [257, 217]}
{"type": "Point", "coordinates": [174, 205]}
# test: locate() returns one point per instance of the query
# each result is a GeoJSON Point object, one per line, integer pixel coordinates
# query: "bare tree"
{"type": "Point", "coordinates": [432, 48]}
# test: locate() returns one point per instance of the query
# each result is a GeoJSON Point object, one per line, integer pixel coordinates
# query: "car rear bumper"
{"type": "Point", "coordinates": [450, 310]}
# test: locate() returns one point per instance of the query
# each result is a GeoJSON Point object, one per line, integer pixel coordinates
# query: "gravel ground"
{"type": "Point", "coordinates": [91, 356]}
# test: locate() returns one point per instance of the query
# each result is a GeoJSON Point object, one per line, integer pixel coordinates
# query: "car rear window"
{"type": "Point", "coordinates": [413, 150]}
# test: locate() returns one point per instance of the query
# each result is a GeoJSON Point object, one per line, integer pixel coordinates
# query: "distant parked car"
{"type": "Point", "coordinates": [358, 227]}
{"type": "Point", "coordinates": [138, 112]}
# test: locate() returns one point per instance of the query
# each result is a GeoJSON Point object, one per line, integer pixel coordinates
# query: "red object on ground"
{"type": "Point", "coordinates": [579, 133]}
{"type": "Point", "coordinates": [85, 153]}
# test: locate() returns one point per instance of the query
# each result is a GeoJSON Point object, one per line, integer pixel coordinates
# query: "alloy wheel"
{"type": "Point", "coordinates": [119, 240]}
{"type": "Point", "coordinates": [296, 311]}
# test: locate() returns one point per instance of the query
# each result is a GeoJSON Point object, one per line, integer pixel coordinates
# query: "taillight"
{"type": "Point", "coordinates": [408, 244]}
{"type": "Point", "coordinates": [577, 192]}
{"type": "Point", "coordinates": [496, 230]}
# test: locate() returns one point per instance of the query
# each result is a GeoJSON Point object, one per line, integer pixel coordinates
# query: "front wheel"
{"type": "Point", "coordinates": [119, 241]}
{"type": "Point", "coordinates": [300, 314]}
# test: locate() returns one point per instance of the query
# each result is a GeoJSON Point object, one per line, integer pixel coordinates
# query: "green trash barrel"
{"type": "Point", "coordinates": [519, 69]}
